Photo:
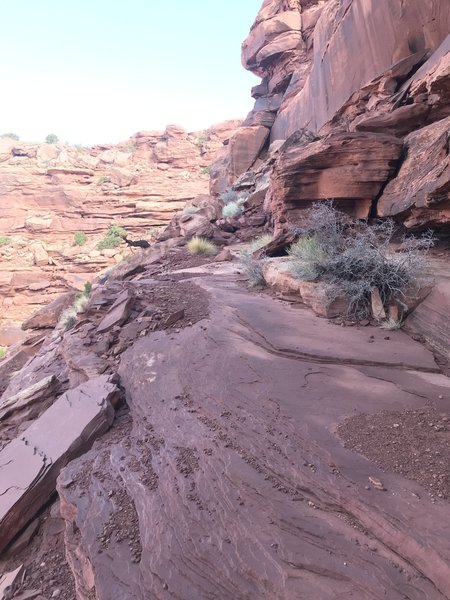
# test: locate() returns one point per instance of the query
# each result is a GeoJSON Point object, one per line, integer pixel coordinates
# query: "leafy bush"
{"type": "Point", "coordinates": [252, 268]}
{"type": "Point", "coordinates": [102, 180]}
{"type": "Point", "coordinates": [113, 238]}
{"type": "Point", "coordinates": [51, 138]}
{"type": "Point", "coordinates": [205, 170]}
{"type": "Point", "coordinates": [260, 242]}
{"type": "Point", "coordinates": [12, 136]}
{"type": "Point", "coordinates": [2, 352]}
{"type": "Point", "coordinates": [353, 258]}
{"type": "Point", "coordinates": [199, 245]}
{"type": "Point", "coordinates": [4, 240]}
{"type": "Point", "coordinates": [79, 238]}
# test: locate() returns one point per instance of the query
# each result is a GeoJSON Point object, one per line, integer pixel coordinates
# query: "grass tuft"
{"type": "Point", "coordinates": [252, 268]}
{"type": "Point", "coordinates": [199, 245]}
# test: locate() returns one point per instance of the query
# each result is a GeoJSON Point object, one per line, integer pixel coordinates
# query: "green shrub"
{"type": "Point", "coordinates": [113, 238]}
{"type": "Point", "coordinates": [232, 210]}
{"type": "Point", "coordinates": [3, 352]}
{"type": "Point", "coordinates": [12, 136]}
{"type": "Point", "coordinates": [353, 258]}
{"type": "Point", "coordinates": [252, 268]}
{"type": "Point", "coordinates": [199, 245]}
{"type": "Point", "coordinates": [79, 238]}
{"type": "Point", "coordinates": [260, 242]}
{"type": "Point", "coordinates": [102, 180]}
{"type": "Point", "coordinates": [309, 258]}
{"type": "Point", "coordinates": [51, 138]}
{"type": "Point", "coordinates": [4, 240]}
{"type": "Point", "coordinates": [206, 170]}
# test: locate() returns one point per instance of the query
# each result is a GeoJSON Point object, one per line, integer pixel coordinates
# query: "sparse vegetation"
{"type": "Point", "coordinates": [12, 136]}
{"type": "Point", "coordinates": [392, 324]}
{"type": "Point", "coordinates": [232, 210]}
{"type": "Point", "coordinates": [4, 240]}
{"type": "Point", "coordinates": [190, 210]}
{"type": "Point", "coordinates": [252, 268]}
{"type": "Point", "coordinates": [103, 179]}
{"type": "Point", "coordinates": [3, 352]}
{"type": "Point", "coordinates": [128, 148]}
{"type": "Point", "coordinates": [229, 196]}
{"type": "Point", "coordinates": [201, 140]}
{"type": "Point", "coordinates": [51, 138]}
{"type": "Point", "coordinates": [199, 245]}
{"type": "Point", "coordinates": [113, 238]}
{"type": "Point", "coordinates": [79, 238]}
{"type": "Point", "coordinates": [233, 204]}
{"type": "Point", "coordinates": [206, 170]}
{"type": "Point", "coordinates": [260, 242]}
{"type": "Point", "coordinates": [153, 232]}
{"type": "Point", "coordinates": [353, 258]}
{"type": "Point", "coordinates": [68, 317]}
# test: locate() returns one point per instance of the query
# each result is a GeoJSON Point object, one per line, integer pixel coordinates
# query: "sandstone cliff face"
{"type": "Point", "coordinates": [51, 191]}
{"type": "Point", "coordinates": [332, 70]}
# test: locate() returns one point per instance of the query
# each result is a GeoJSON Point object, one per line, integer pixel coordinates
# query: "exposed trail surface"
{"type": "Point", "coordinates": [229, 481]}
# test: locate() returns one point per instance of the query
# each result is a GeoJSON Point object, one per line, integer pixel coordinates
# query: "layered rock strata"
{"type": "Point", "coordinates": [51, 191]}
{"type": "Point", "coordinates": [339, 67]}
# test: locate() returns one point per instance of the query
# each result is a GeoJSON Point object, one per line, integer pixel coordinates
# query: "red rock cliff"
{"type": "Point", "coordinates": [50, 191]}
{"type": "Point", "coordinates": [360, 90]}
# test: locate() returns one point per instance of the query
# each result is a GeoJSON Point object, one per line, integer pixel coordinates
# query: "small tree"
{"type": "Point", "coordinates": [51, 138]}
{"type": "Point", "coordinates": [12, 136]}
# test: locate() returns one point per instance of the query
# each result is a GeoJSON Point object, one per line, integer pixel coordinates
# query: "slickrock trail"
{"type": "Point", "coordinates": [228, 479]}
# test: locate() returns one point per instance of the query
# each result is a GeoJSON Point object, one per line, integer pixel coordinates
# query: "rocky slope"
{"type": "Point", "coordinates": [209, 441]}
{"type": "Point", "coordinates": [353, 106]}
{"type": "Point", "coordinates": [50, 191]}
{"type": "Point", "coordinates": [225, 476]}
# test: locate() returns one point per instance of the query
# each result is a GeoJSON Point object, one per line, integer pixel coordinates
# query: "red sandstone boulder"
{"type": "Point", "coordinates": [420, 193]}
{"type": "Point", "coordinates": [349, 168]}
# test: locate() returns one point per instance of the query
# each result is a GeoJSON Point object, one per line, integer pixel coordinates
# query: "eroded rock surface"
{"type": "Point", "coordinates": [229, 481]}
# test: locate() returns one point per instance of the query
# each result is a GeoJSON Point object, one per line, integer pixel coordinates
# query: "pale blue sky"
{"type": "Point", "coordinates": [96, 71]}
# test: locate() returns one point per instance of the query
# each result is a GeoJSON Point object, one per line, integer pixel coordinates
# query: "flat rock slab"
{"type": "Point", "coordinates": [30, 464]}
{"type": "Point", "coordinates": [231, 483]}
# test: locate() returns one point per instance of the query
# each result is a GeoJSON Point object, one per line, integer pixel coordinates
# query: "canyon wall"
{"type": "Point", "coordinates": [51, 191]}
{"type": "Point", "coordinates": [353, 106]}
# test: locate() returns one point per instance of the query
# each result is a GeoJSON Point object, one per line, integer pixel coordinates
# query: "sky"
{"type": "Point", "coordinates": [97, 71]}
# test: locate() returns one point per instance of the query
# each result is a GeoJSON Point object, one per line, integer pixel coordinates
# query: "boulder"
{"type": "Point", "coordinates": [420, 193]}
{"type": "Point", "coordinates": [195, 224]}
{"type": "Point", "coordinates": [48, 316]}
{"type": "Point", "coordinates": [430, 319]}
{"type": "Point", "coordinates": [312, 293]}
{"type": "Point", "coordinates": [30, 464]}
{"type": "Point", "coordinates": [349, 168]}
